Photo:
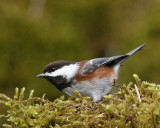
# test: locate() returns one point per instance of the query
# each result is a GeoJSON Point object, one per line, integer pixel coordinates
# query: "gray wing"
{"type": "Point", "coordinates": [93, 64]}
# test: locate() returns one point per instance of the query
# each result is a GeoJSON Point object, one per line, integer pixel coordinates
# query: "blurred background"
{"type": "Point", "coordinates": [34, 33]}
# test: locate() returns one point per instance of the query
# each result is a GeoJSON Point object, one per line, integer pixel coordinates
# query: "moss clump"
{"type": "Point", "coordinates": [133, 106]}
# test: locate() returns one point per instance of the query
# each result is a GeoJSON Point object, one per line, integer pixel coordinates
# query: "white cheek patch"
{"type": "Point", "coordinates": [66, 71]}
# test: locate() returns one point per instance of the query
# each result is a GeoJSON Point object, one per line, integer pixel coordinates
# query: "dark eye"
{"type": "Point", "coordinates": [52, 69]}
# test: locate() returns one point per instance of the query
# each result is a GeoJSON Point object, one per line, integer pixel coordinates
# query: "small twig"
{"type": "Point", "coordinates": [3, 96]}
{"type": "Point", "coordinates": [43, 97]}
{"type": "Point", "coordinates": [139, 98]}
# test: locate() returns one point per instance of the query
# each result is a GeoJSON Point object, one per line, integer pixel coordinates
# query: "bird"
{"type": "Point", "coordinates": [94, 78]}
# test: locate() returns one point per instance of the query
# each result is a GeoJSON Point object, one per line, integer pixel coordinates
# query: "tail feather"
{"type": "Point", "coordinates": [135, 50]}
{"type": "Point", "coordinates": [132, 53]}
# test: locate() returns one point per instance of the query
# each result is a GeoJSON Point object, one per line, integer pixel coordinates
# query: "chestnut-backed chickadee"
{"type": "Point", "coordinates": [94, 78]}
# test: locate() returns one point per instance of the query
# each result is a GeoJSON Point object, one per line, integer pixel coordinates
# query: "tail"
{"type": "Point", "coordinates": [132, 53]}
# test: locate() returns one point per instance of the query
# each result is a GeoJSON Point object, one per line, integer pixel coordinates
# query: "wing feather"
{"type": "Point", "coordinates": [93, 64]}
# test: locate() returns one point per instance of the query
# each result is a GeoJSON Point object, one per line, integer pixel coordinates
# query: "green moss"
{"type": "Point", "coordinates": [133, 106]}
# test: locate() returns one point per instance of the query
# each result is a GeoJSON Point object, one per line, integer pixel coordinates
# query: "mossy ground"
{"type": "Point", "coordinates": [133, 106]}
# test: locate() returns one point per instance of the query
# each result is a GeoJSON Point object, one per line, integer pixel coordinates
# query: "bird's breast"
{"type": "Point", "coordinates": [95, 84]}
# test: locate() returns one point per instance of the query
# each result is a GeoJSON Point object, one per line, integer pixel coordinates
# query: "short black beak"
{"type": "Point", "coordinates": [41, 75]}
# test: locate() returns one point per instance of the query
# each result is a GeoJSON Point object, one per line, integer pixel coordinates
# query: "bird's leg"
{"type": "Point", "coordinates": [116, 84]}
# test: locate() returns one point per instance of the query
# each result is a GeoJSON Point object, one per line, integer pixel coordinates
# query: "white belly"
{"type": "Point", "coordinates": [95, 89]}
